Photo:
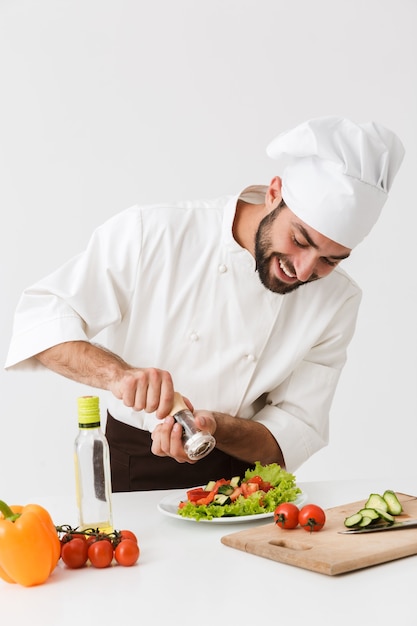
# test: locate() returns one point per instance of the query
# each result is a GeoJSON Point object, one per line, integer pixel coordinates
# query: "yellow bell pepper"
{"type": "Point", "coordinates": [29, 544]}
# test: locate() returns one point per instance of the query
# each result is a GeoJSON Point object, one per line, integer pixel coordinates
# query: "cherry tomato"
{"type": "Point", "coordinates": [100, 553]}
{"type": "Point", "coordinates": [90, 539]}
{"type": "Point", "coordinates": [127, 552]}
{"type": "Point", "coordinates": [286, 515]}
{"type": "Point", "coordinates": [74, 552]}
{"type": "Point", "coordinates": [128, 534]}
{"type": "Point", "coordinates": [312, 518]}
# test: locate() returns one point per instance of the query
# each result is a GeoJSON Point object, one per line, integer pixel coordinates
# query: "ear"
{"type": "Point", "coordinates": [273, 195]}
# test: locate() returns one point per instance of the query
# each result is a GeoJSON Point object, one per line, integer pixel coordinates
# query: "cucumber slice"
{"type": "Point", "coordinates": [353, 520]}
{"type": "Point", "coordinates": [375, 501]}
{"type": "Point", "coordinates": [227, 490]}
{"type": "Point", "coordinates": [235, 481]}
{"type": "Point", "coordinates": [369, 513]}
{"type": "Point", "coordinates": [394, 505]}
{"type": "Point", "coordinates": [222, 499]}
{"type": "Point", "coordinates": [387, 517]}
{"type": "Point", "coordinates": [210, 485]}
{"type": "Point", "coordinates": [377, 509]}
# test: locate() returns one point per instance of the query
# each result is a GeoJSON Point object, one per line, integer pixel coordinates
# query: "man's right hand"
{"type": "Point", "coordinates": [148, 389]}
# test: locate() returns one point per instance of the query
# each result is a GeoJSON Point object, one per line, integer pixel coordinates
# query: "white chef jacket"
{"type": "Point", "coordinates": [167, 286]}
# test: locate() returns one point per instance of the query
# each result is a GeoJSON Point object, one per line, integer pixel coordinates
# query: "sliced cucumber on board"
{"type": "Point", "coordinates": [377, 509]}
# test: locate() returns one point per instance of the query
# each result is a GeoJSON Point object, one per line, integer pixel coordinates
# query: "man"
{"type": "Point", "coordinates": [238, 303]}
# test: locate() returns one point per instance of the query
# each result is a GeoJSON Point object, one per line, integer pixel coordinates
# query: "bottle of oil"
{"type": "Point", "coordinates": [92, 468]}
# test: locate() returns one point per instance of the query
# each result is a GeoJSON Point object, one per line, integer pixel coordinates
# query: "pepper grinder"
{"type": "Point", "coordinates": [197, 443]}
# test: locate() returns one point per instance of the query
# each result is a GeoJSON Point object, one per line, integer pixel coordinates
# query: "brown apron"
{"type": "Point", "coordinates": [135, 468]}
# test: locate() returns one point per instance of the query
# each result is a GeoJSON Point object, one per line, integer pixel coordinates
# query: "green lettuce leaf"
{"type": "Point", "coordinates": [272, 473]}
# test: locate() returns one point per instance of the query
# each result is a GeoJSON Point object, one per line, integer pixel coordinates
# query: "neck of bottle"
{"type": "Point", "coordinates": [89, 426]}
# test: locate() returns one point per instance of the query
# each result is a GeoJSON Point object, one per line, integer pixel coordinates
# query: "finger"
{"type": "Point", "coordinates": [166, 396]}
{"type": "Point", "coordinates": [204, 420]}
{"type": "Point", "coordinates": [177, 446]}
{"type": "Point", "coordinates": [167, 441]}
{"type": "Point", "coordinates": [164, 433]}
{"type": "Point", "coordinates": [188, 403]}
{"type": "Point", "coordinates": [132, 389]}
{"type": "Point", "coordinates": [153, 389]}
{"type": "Point", "coordinates": [156, 438]}
{"type": "Point", "coordinates": [160, 439]}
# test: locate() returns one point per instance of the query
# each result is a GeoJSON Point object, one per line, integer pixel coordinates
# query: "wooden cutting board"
{"type": "Point", "coordinates": [327, 551]}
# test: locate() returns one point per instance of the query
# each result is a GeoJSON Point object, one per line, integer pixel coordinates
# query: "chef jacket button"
{"type": "Point", "coordinates": [250, 358]}
{"type": "Point", "coordinates": [194, 336]}
{"type": "Point", "coordinates": [222, 268]}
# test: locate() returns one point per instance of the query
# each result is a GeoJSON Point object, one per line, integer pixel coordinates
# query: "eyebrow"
{"type": "Point", "coordinates": [309, 240]}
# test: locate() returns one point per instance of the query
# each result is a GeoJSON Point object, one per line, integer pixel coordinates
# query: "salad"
{"type": "Point", "coordinates": [259, 491]}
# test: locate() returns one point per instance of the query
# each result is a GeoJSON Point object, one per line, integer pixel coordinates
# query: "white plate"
{"type": "Point", "coordinates": [169, 506]}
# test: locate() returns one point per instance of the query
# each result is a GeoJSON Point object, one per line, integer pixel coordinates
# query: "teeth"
{"type": "Point", "coordinates": [285, 270]}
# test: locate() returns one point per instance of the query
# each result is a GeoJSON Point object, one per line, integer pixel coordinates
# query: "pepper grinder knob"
{"type": "Point", "coordinates": [179, 404]}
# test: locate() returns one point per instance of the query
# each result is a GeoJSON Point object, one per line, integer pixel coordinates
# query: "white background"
{"type": "Point", "coordinates": [104, 103]}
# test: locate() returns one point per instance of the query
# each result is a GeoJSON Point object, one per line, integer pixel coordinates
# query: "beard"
{"type": "Point", "coordinates": [264, 258]}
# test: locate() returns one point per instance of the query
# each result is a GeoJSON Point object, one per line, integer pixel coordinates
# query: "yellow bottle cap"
{"type": "Point", "coordinates": [88, 412]}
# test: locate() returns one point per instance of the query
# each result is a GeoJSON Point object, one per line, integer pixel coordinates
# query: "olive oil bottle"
{"type": "Point", "coordinates": [92, 468]}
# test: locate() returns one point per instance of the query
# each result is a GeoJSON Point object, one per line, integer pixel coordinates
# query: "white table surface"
{"type": "Point", "coordinates": [185, 575]}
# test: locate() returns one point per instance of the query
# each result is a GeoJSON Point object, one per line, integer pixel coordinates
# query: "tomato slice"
{"type": "Point", "coordinates": [219, 483]}
{"type": "Point", "coordinates": [237, 492]}
{"type": "Point", "coordinates": [196, 494]}
{"type": "Point", "coordinates": [263, 484]}
{"type": "Point", "coordinates": [209, 497]}
{"type": "Point", "coordinates": [249, 488]}
{"type": "Point", "coordinates": [255, 479]}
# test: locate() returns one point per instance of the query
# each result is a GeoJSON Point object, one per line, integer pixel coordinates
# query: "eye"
{"type": "Point", "coordinates": [298, 243]}
{"type": "Point", "coordinates": [329, 262]}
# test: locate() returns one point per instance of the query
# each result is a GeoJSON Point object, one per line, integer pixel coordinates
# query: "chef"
{"type": "Point", "coordinates": [238, 303]}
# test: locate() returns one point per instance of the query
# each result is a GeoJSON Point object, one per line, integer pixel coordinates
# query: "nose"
{"type": "Point", "coordinates": [305, 265]}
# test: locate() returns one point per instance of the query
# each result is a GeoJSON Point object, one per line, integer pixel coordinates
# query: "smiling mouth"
{"type": "Point", "coordinates": [286, 271]}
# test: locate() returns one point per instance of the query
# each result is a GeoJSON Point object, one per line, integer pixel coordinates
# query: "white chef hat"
{"type": "Point", "coordinates": [336, 174]}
